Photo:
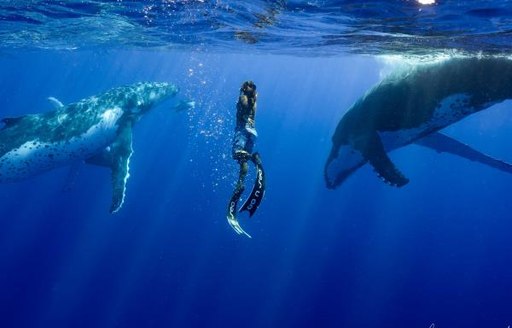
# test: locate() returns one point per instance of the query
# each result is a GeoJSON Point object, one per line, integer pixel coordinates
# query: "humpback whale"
{"type": "Point", "coordinates": [412, 109]}
{"type": "Point", "coordinates": [97, 130]}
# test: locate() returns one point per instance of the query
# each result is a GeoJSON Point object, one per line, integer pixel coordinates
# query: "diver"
{"type": "Point", "coordinates": [243, 144]}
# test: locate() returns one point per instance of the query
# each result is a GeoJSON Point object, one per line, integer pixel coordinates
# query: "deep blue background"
{"type": "Point", "coordinates": [365, 255]}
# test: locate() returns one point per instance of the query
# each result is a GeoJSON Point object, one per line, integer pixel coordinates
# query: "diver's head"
{"type": "Point", "coordinates": [248, 88]}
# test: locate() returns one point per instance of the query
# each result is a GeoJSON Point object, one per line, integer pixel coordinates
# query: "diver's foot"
{"type": "Point", "coordinates": [233, 222]}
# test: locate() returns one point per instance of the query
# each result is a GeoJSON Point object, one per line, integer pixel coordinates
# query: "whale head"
{"type": "Point", "coordinates": [138, 98]}
{"type": "Point", "coordinates": [150, 94]}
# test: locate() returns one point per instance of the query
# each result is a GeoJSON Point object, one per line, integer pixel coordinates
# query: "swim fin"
{"type": "Point", "coordinates": [231, 215]}
{"type": "Point", "coordinates": [258, 191]}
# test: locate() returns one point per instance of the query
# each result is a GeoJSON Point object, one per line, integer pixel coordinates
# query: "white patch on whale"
{"type": "Point", "coordinates": [125, 179]}
{"type": "Point", "coordinates": [35, 156]}
{"type": "Point", "coordinates": [449, 110]}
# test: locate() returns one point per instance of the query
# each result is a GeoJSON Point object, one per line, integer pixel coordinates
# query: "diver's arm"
{"type": "Point", "coordinates": [243, 101]}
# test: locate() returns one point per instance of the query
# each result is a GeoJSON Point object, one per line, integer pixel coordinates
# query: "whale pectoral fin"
{"type": "Point", "coordinates": [117, 158]}
{"type": "Point", "coordinates": [373, 150]}
{"type": "Point", "coordinates": [445, 144]}
{"type": "Point", "coordinates": [56, 103]}
{"type": "Point", "coordinates": [121, 151]}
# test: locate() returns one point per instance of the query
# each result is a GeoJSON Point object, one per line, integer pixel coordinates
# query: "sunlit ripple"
{"type": "Point", "coordinates": [285, 27]}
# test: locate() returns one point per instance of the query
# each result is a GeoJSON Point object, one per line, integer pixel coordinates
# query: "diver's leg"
{"type": "Point", "coordinates": [256, 159]}
{"type": "Point", "coordinates": [241, 155]}
{"type": "Point", "coordinates": [244, 168]}
{"type": "Point", "coordinates": [240, 184]}
{"type": "Point", "coordinates": [258, 190]}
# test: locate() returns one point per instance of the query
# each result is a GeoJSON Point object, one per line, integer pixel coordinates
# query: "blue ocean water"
{"type": "Point", "coordinates": [435, 253]}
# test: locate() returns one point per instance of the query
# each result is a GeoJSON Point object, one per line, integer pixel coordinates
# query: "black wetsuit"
{"type": "Point", "coordinates": [245, 131]}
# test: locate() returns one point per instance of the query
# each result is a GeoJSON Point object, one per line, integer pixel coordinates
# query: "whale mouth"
{"type": "Point", "coordinates": [330, 175]}
{"type": "Point", "coordinates": [341, 164]}
{"type": "Point", "coordinates": [334, 176]}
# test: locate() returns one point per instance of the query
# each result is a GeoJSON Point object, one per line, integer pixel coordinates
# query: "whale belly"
{"type": "Point", "coordinates": [37, 156]}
